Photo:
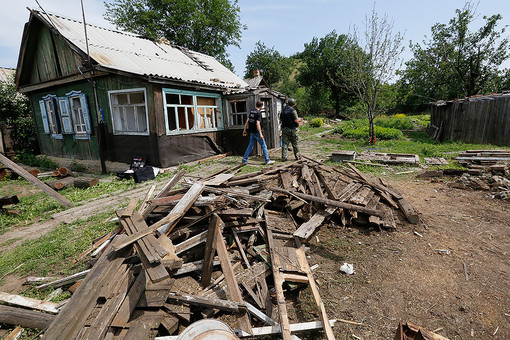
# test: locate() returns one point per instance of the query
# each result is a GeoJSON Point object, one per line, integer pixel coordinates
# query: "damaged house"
{"type": "Point", "coordinates": [123, 95]}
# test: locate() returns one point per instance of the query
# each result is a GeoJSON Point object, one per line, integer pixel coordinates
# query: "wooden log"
{"type": "Point", "coordinates": [26, 175]}
{"type": "Point", "coordinates": [25, 317]}
{"type": "Point", "coordinates": [329, 202]}
{"type": "Point", "coordinates": [35, 172]}
{"type": "Point", "coordinates": [64, 172]}
{"type": "Point", "coordinates": [6, 200]}
{"type": "Point", "coordinates": [60, 184]}
{"type": "Point", "coordinates": [85, 182]}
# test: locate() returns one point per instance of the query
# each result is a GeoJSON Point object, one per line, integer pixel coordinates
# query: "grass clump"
{"type": "Point", "coordinates": [404, 123]}
{"type": "Point", "coordinates": [381, 133]}
{"type": "Point", "coordinates": [316, 122]}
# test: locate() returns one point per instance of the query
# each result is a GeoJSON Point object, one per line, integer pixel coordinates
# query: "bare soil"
{"type": "Point", "coordinates": [420, 277]}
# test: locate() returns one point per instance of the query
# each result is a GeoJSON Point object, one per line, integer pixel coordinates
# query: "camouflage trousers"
{"type": "Point", "coordinates": [289, 136]}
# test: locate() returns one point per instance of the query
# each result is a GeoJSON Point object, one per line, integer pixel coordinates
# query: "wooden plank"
{"type": "Point", "coordinates": [328, 202]}
{"type": "Point", "coordinates": [130, 209]}
{"type": "Point", "coordinates": [183, 206]}
{"type": "Point", "coordinates": [307, 229]}
{"type": "Point", "coordinates": [210, 249]}
{"type": "Point", "coordinates": [68, 323]}
{"type": "Point", "coordinates": [233, 291]}
{"type": "Point", "coordinates": [99, 326]}
{"type": "Point", "coordinates": [25, 317]}
{"type": "Point", "coordinates": [278, 286]}
{"type": "Point", "coordinates": [408, 211]}
{"type": "Point", "coordinates": [226, 305]}
{"type": "Point", "coordinates": [138, 235]}
{"type": "Point", "coordinates": [315, 292]}
{"type": "Point", "coordinates": [23, 301]}
{"type": "Point", "coordinates": [171, 183]}
{"type": "Point", "coordinates": [26, 175]}
{"type": "Point", "coordinates": [191, 242]}
{"type": "Point", "coordinates": [295, 278]}
{"type": "Point", "coordinates": [130, 302]}
{"type": "Point", "coordinates": [286, 180]}
{"type": "Point", "coordinates": [171, 260]}
{"type": "Point", "coordinates": [218, 179]}
{"type": "Point", "coordinates": [66, 280]}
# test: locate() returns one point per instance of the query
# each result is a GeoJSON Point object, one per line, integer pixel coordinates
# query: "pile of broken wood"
{"type": "Point", "coordinates": [228, 247]}
{"type": "Point", "coordinates": [487, 170]}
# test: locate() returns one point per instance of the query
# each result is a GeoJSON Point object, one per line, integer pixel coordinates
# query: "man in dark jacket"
{"type": "Point", "coordinates": [253, 125]}
{"type": "Point", "coordinates": [290, 121]}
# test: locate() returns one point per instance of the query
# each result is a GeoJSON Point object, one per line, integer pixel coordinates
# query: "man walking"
{"type": "Point", "coordinates": [253, 125]}
{"type": "Point", "coordinates": [290, 122]}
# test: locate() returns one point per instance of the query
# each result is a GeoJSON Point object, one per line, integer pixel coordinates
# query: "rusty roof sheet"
{"type": "Point", "coordinates": [139, 55]}
{"type": "Point", "coordinates": [7, 74]}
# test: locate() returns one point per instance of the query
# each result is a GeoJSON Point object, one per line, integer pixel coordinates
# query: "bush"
{"type": "Point", "coordinates": [404, 123]}
{"type": "Point", "coordinates": [316, 122]}
{"type": "Point", "coordinates": [380, 133]}
{"type": "Point", "coordinates": [28, 158]}
{"type": "Point", "coordinates": [399, 115]}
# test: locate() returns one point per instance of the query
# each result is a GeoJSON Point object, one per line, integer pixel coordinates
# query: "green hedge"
{"type": "Point", "coordinates": [395, 123]}
{"type": "Point", "coordinates": [380, 133]}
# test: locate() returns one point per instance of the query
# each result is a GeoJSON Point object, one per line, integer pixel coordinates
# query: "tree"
{"type": "Point", "coordinates": [15, 113]}
{"type": "Point", "coordinates": [272, 65]}
{"type": "Point", "coordinates": [206, 26]}
{"type": "Point", "coordinates": [325, 64]}
{"type": "Point", "coordinates": [374, 60]}
{"type": "Point", "coordinates": [457, 62]}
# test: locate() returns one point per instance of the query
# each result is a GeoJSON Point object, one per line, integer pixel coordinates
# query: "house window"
{"type": "Point", "coordinates": [187, 111]}
{"type": "Point", "coordinates": [238, 112]}
{"type": "Point", "coordinates": [129, 112]}
{"type": "Point", "coordinates": [53, 120]}
{"type": "Point", "coordinates": [66, 115]}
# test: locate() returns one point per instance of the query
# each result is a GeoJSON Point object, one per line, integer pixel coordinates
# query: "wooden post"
{"type": "Point", "coordinates": [26, 175]}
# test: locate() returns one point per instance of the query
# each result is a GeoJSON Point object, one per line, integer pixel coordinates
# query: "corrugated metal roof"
{"type": "Point", "coordinates": [7, 74]}
{"type": "Point", "coordinates": [138, 55]}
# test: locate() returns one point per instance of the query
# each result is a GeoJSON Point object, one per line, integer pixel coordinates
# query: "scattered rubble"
{"type": "Point", "coordinates": [228, 247]}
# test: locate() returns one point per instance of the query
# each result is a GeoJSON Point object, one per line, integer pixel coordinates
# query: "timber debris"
{"type": "Point", "coordinates": [229, 246]}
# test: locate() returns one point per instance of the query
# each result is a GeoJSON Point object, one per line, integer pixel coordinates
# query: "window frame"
{"type": "Point", "coordinates": [217, 111]}
{"type": "Point", "coordinates": [129, 91]}
{"type": "Point", "coordinates": [53, 118]}
{"type": "Point", "coordinates": [232, 113]}
{"type": "Point", "coordinates": [85, 115]}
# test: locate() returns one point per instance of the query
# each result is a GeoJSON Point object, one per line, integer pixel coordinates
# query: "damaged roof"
{"type": "Point", "coordinates": [126, 52]}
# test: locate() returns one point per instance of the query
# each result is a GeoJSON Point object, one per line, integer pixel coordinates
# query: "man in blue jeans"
{"type": "Point", "coordinates": [253, 125]}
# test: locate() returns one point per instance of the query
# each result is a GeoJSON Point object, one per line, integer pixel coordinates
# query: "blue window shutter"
{"type": "Point", "coordinates": [44, 116]}
{"type": "Point", "coordinates": [85, 112]}
{"type": "Point", "coordinates": [65, 115]}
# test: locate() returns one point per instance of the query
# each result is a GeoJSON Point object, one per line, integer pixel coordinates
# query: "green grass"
{"type": "Point", "coordinates": [53, 252]}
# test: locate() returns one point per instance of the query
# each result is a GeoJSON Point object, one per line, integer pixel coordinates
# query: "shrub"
{"type": "Point", "coordinates": [380, 133]}
{"type": "Point", "coordinates": [28, 158]}
{"type": "Point", "coordinates": [399, 115]}
{"type": "Point", "coordinates": [316, 122]}
{"type": "Point", "coordinates": [395, 123]}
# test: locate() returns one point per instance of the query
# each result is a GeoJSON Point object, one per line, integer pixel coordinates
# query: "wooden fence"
{"type": "Point", "coordinates": [480, 120]}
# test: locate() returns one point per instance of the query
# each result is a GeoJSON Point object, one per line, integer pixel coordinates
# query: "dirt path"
{"type": "Point", "coordinates": [84, 211]}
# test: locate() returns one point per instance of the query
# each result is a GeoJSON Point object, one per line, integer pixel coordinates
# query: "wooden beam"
{"type": "Point", "coordinates": [129, 303]}
{"type": "Point", "coordinates": [233, 292]}
{"type": "Point", "coordinates": [226, 305]}
{"type": "Point", "coordinates": [183, 206]}
{"type": "Point", "coordinates": [210, 249]}
{"type": "Point", "coordinates": [26, 175]}
{"type": "Point", "coordinates": [329, 202]}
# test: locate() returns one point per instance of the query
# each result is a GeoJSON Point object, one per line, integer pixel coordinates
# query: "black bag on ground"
{"type": "Point", "coordinates": [143, 174]}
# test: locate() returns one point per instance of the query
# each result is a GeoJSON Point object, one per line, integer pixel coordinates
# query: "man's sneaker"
{"type": "Point", "coordinates": [247, 162]}
{"type": "Point", "coordinates": [269, 162]}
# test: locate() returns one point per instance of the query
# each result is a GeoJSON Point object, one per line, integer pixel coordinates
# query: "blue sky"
{"type": "Point", "coordinates": [285, 25]}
